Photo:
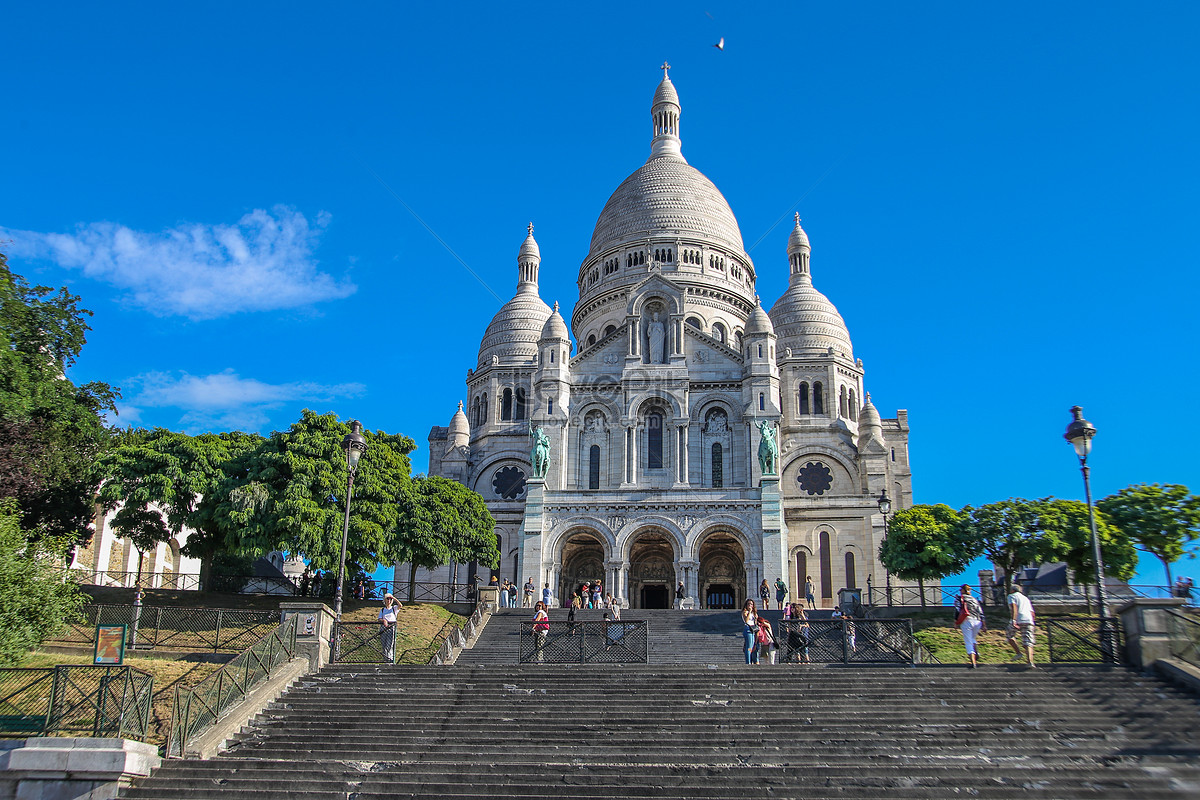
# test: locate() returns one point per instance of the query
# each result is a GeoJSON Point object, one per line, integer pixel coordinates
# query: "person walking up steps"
{"type": "Point", "coordinates": [680, 594]}
{"type": "Point", "coordinates": [968, 616]}
{"type": "Point", "coordinates": [1020, 612]}
{"type": "Point", "coordinates": [780, 592]}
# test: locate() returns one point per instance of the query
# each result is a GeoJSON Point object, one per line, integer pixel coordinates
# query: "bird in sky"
{"type": "Point", "coordinates": [721, 44]}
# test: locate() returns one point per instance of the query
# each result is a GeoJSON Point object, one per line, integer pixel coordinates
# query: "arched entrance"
{"type": "Point", "coordinates": [722, 571]}
{"type": "Point", "coordinates": [582, 561]}
{"type": "Point", "coordinates": [651, 570]}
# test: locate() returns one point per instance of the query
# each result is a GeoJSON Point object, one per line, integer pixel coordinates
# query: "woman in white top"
{"type": "Point", "coordinates": [387, 630]}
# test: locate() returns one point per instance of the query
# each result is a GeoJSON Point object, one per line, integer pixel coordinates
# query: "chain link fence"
{"type": "Point", "coordinates": [1184, 631]}
{"type": "Point", "coordinates": [172, 627]}
{"type": "Point", "coordinates": [76, 700]}
{"type": "Point", "coordinates": [364, 643]}
{"type": "Point", "coordinates": [197, 708]}
{"type": "Point", "coordinates": [613, 642]}
{"type": "Point", "coordinates": [25, 700]}
{"type": "Point", "coordinates": [860, 641]}
{"type": "Point", "coordinates": [1082, 640]}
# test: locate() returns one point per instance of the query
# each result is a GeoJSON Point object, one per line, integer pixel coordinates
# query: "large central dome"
{"type": "Point", "coordinates": [666, 196]}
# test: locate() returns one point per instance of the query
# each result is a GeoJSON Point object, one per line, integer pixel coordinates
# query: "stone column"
{"type": "Point", "coordinates": [775, 550]}
{"type": "Point", "coordinates": [691, 581]}
{"type": "Point", "coordinates": [1147, 634]}
{"type": "Point", "coordinates": [314, 631]}
{"type": "Point", "coordinates": [531, 536]}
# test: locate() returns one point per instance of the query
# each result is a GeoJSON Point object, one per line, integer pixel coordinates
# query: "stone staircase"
{"type": "Point", "coordinates": [705, 728]}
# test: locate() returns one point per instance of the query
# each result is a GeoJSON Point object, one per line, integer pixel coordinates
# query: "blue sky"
{"type": "Point", "coordinates": [1002, 202]}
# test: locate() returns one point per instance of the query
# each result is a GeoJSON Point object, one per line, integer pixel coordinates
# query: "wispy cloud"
{"type": "Point", "coordinates": [264, 261]}
{"type": "Point", "coordinates": [224, 400]}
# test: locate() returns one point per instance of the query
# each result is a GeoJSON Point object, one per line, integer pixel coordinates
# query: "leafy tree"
{"type": "Point", "coordinates": [1068, 522]}
{"type": "Point", "coordinates": [1161, 520]}
{"type": "Point", "coordinates": [50, 429]}
{"type": "Point", "coordinates": [37, 603]}
{"type": "Point", "coordinates": [148, 472]}
{"type": "Point", "coordinates": [927, 542]}
{"type": "Point", "coordinates": [442, 521]}
{"type": "Point", "coordinates": [1011, 535]}
{"type": "Point", "coordinates": [288, 494]}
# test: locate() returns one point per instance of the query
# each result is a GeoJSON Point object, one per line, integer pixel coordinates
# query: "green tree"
{"type": "Point", "coordinates": [442, 521]}
{"type": "Point", "coordinates": [1068, 523]}
{"type": "Point", "coordinates": [1161, 520]}
{"type": "Point", "coordinates": [1010, 533]}
{"type": "Point", "coordinates": [37, 603]}
{"type": "Point", "coordinates": [288, 494]}
{"type": "Point", "coordinates": [148, 472]}
{"type": "Point", "coordinates": [50, 429]}
{"type": "Point", "coordinates": [926, 542]}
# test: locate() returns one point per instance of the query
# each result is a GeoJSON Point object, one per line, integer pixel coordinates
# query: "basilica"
{"type": "Point", "coordinates": [648, 413]}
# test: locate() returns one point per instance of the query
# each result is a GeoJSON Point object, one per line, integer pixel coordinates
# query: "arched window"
{"type": "Point", "coordinates": [670, 255]}
{"type": "Point", "coordinates": [718, 332]}
{"type": "Point", "coordinates": [654, 440]}
{"type": "Point", "coordinates": [506, 405]}
{"type": "Point", "coordinates": [694, 322]}
{"type": "Point", "coordinates": [893, 454]}
{"type": "Point", "coordinates": [760, 351]}
{"type": "Point", "coordinates": [762, 402]}
{"type": "Point", "coordinates": [842, 403]}
{"type": "Point", "coordinates": [591, 340]}
{"type": "Point", "coordinates": [802, 398]}
{"type": "Point", "coordinates": [550, 405]}
{"type": "Point", "coordinates": [851, 581]}
{"type": "Point", "coordinates": [551, 356]}
{"type": "Point", "coordinates": [737, 337]}
{"type": "Point", "coordinates": [483, 409]}
{"type": "Point", "coordinates": [475, 412]}
{"type": "Point", "coordinates": [826, 566]}
{"type": "Point", "coordinates": [519, 409]}
{"type": "Point", "coordinates": [594, 467]}
{"type": "Point", "coordinates": [853, 408]}
{"type": "Point", "coordinates": [718, 466]}
{"type": "Point", "coordinates": [609, 330]}
{"type": "Point", "coordinates": [818, 398]}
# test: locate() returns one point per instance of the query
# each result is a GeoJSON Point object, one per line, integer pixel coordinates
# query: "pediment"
{"type": "Point", "coordinates": [658, 285]}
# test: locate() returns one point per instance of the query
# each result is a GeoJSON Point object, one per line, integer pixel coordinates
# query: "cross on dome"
{"type": "Point", "coordinates": [664, 68]}
{"type": "Point", "coordinates": [530, 227]}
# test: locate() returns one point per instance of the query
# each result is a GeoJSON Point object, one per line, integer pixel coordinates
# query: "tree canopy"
{"type": "Point", "coordinates": [441, 520]}
{"type": "Point", "coordinates": [1011, 535]}
{"type": "Point", "coordinates": [1068, 525]}
{"type": "Point", "coordinates": [926, 542]}
{"type": "Point", "coordinates": [1160, 519]}
{"type": "Point", "coordinates": [51, 430]}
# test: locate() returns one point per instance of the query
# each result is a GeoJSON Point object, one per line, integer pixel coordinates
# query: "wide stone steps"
{"type": "Point", "coordinates": [704, 730]}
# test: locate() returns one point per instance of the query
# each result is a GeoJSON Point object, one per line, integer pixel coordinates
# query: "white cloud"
{"type": "Point", "coordinates": [262, 262]}
{"type": "Point", "coordinates": [224, 400]}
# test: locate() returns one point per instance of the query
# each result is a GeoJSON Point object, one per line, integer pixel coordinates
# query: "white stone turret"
{"type": "Point", "coordinates": [666, 111]}
{"type": "Point", "coordinates": [459, 432]}
{"type": "Point", "coordinates": [761, 382]}
{"type": "Point", "coordinates": [553, 377]}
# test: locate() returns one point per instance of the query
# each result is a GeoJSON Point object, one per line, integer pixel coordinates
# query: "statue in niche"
{"type": "Point", "coordinates": [656, 332]}
{"type": "Point", "coordinates": [716, 422]}
{"type": "Point", "coordinates": [540, 455]}
{"type": "Point", "coordinates": [593, 423]}
{"type": "Point", "coordinates": [768, 448]}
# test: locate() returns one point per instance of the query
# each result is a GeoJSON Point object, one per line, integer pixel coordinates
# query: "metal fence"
{"type": "Point", "coordinates": [910, 596]}
{"type": "Point", "coordinates": [1070, 595]}
{"type": "Point", "coordinates": [197, 708]}
{"type": "Point", "coordinates": [1082, 640]}
{"type": "Point", "coordinates": [162, 580]}
{"type": "Point", "coordinates": [613, 642]}
{"type": "Point", "coordinates": [173, 628]}
{"type": "Point", "coordinates": [860, 641]}
{"type": "Point", "coordinates": [76, 700]}
{"type": "Point", "coordinates": [1184, 631]}
{"type": "Point", "coordinates": [254, 584]}
{"type": "Point", "coordinates": [364, 643]}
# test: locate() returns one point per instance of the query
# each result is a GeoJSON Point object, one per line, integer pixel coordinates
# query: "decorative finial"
{"type": "Point", "coordinates": [555, 306]}
{"type": "Point", "coordinates": [664, 68]}
{"type": "Point", "coordinates": [797, 217]}
{"type": "Point", "coordinates": [460, 405]}
{"type": "Point", "coordinates": [868, 397]}
{"type": "Point", "coordinates": [757, 302]}
{"type": "Point", "coordinates": [530, 228]}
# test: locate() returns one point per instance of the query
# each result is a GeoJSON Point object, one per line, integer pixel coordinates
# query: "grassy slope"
{"type": "Point", "coordinates": [935, 630]}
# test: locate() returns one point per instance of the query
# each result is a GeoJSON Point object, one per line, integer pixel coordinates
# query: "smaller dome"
{"type": "Point", "coordinates": [759, 323]}
{"type": "Point", "coordinates": [799, 239]}
{"type": "Point", "coordinates": [529, 248]}
{"type": "Point", "coordinates": [665, 93]}
{"type": "Point", "coordinates": [870, 427]}
{"type": "Point", "coordinates": [555, 327]}
{"type": "Point", "coordinates": [459, 433]}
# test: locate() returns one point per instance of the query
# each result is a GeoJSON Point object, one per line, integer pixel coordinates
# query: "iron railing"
{"type": "Point", "coordinates": [364, 643]}
{"type": "Point", "coordinates": [197, 708]}
{"type": "Point", "coordinates": [76, 700]}
{"type": "Point", "coordinates": [177, 581]}
{"type": "Point", "coordinates": [860, 641]}
{"type": "Point", "coordinates": [1184, 632]}
{"type": "Point", "coordinates": [254, 584]}
{"type": "Point", "coordinates": [174, 627]}
{"type": "Point", "coordinates": [1073, 595]}
{"type": "Point", "coordinates": [457, 638]}
{"type": "Point", "coordinates": [1082, 640]}
{"type": "Point", "coordinates": [612, 642]}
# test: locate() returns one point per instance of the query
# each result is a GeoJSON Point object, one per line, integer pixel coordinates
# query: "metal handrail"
{"type": "Point", "coordinates": [172, 627]}
{"type": "Point", "coordinates": [195, 709]}
{"type": "Point", "coordinates": [1184, 633]}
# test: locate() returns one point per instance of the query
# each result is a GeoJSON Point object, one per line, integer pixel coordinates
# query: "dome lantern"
{"type": "Point", "coordinates": [665, 111]}
{"type": "Point", "coordinates": [528, 260]}
{"type": "Point", "coordinates": [798, 253]}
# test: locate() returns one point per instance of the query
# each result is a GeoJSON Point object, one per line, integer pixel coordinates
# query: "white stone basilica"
{"type": "Point", "coordinates": [654, 424]}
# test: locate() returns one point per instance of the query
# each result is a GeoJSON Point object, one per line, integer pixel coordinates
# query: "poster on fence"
{"type": "Point", "coordinates": [110, 644]}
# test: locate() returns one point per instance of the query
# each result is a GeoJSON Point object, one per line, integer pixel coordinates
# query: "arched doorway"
{"type": "Point", "coordinates": [651, 570]}
{"type": "Point", "coordinates": [722, 571]}
{"type": "Point", "coordinates": [582, 561]}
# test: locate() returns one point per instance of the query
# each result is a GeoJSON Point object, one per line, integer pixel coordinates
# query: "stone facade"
{"type": "Point", "coordinates": [655, 422]}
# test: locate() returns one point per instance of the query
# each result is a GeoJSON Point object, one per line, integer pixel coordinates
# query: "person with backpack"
{"type": "Point", "coordinates": [766, 639]}
{"type": "Point", "coordinates": [541, 629]}
{"type": "Point", "coordinates": [780, 592]}
{"type": "Point", "coordinates": [680, 595]}
{"type": "Point", "coordinates": [968, 618]}
{"type": "Point", "coordinates": [750, 631]}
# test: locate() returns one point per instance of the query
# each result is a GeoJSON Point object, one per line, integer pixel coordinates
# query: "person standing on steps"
{"type": "Point", "coordinates": [766, 639]}
{"type": "Point", "coordinates": [546, 595]}
{"type": "Point", "coordinates": [798, 633]}
{"type": "Point", "coordinates": [750, 631]}
{"type": "Point", "coordinates": [680, 594]}
{"type": "Point", "coordinates": [780, 592]}
{"type": "Point", "coordinates": [529, 590]}
{"type": "Point", "coordinates": [810, 592]}
{"type": "Point", "coordinates": [1020, 612]}
{"type": "Point", "coordinates": [387, 627]}
{"type": "Point", "coordinates": [968, 616]}
{"type": "Point", "coordinates": [541, 629]}
{"type": "Point", "coordinates": [764, 594]}
{"type": "Point", "coordinates": [597, 595]}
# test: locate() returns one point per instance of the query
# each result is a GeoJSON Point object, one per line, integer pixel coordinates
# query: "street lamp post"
{"type": "Point", "coordinates": [354, 445]}
{"type": "Point", "coordinates": [1079, 434]}
{"type": "Point", "coordinates": [885, 507]}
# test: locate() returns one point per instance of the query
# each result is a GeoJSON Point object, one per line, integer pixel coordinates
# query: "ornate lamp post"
{"type": "Point", "coordinates": [885, 508]}
{"type": "Point", "coordinates": [1079, 434]}
{"type": "Point", "coordinates": [354, 445]}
